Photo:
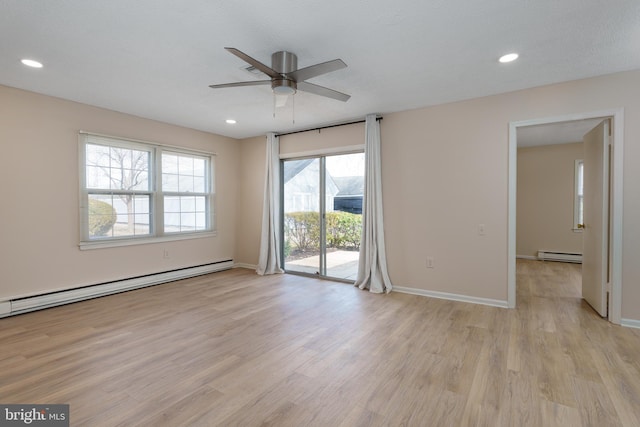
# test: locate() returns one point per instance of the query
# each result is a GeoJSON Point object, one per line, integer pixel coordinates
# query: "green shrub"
{"type": "Point", "coordinates": [287, 248]}
{"type": "Point", "coordinates": [302, 230]}
{"type": "Point", "coordinates": [102, 216]}
{"type": "Point", "coordinates": [343, 230]}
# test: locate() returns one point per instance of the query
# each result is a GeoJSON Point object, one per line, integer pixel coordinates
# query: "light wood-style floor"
{"type": "Point", "coordinates": [236, 349]}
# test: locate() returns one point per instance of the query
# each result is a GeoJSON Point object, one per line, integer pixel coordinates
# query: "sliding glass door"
{"type": "Point", "coordinates": [322, 215]}
{"type": "Point", "coordinates": [302, 241]}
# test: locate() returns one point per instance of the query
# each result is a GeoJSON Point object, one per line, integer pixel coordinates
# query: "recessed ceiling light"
{"type": "Point", "coordinates": [508, 57]}
{"type": "Point", "coordinates": [31, 63]}
{"type": "Point", "coordinates": [230, 122]}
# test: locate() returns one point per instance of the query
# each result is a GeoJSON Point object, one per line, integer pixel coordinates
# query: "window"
{"type": "Point", "coordinates": [184, 184]}
{"type": "Point", "coordinates": [133, 191]}
{"type": "Point", "coordinates": [578, 202]}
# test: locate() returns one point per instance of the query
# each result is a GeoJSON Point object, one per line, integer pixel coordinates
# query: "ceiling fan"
{"type": "Point", "coordinates": [285, 76]}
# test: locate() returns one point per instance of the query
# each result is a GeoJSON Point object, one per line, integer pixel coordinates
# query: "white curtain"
{"type": "Point", "coordinates": [269, 261]}
{"type": "Point", "coordinates": [372, 266]}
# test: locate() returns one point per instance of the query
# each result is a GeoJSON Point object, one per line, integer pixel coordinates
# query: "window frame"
{"type": "Point", "coordinates": [207, 193]}
{"type": "Point", "coordinates": [577, 197]}
{"type": "Point", "coordinates": [155, 192]}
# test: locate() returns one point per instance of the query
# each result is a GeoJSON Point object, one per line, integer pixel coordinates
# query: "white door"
{"type": "Point", "coordinates": [595, 237]}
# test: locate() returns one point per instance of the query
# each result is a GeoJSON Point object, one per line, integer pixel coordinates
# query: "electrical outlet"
{"type": "Point", "coordinates": [165, 254]}
{"type": "Point", "coordinates": [430, 262]}
{"type": "Point", "coordinates": [482, 229]}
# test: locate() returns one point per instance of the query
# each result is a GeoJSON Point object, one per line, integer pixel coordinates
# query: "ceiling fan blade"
{"type": "Point", "coordinates": [323, 91]}
{"type": "Point", "coordinates": [238, 84]}
{"type": "Point", "coordinates": [317, 70]}
{"type": "Point", "coordinates": [249, 60]}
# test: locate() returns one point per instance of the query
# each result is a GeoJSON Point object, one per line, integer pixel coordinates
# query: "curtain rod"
{"type": "Point", "coordinates": [325, 127]}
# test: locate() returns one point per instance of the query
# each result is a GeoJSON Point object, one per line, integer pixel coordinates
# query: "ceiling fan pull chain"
{"type": "Point", "coordinates": [293, 109]}
{"type": "Point", "coordinates": [274, 105]}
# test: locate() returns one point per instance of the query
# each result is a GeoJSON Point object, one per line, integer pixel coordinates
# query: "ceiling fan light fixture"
{"type": "Point", "coordinates": [284, 87]}
{"type": "Point", "coordinates": [284, 90]}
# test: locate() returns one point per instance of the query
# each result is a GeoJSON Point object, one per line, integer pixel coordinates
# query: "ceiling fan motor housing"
{"type": "Point", "coordinates": [284, 62]}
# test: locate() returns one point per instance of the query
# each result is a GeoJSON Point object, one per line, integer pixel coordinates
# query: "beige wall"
{"type": "Point", "coordinates": [445, 171]}
{"type": "Point", "coordinates": [546, 180]}
{"type": "Point", "coordinates": [39, 231]}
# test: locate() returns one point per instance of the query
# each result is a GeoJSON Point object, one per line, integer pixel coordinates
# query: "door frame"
{"type": "Point", "coordinates": [616, 174]}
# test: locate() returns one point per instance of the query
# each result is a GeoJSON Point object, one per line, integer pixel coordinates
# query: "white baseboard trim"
{"type": "Point", "coordinates": [526, 257]}
{"type": "Point", "coordinates": [5, 308]}
{"type": "Point", "coordinates": [245, 265]}
{"type": "Point", "coordinates": [452, 297]}
{"type": "Point", "coordinates": [630, 323]}
{"type": "Point", "coordinates": [39, 302]}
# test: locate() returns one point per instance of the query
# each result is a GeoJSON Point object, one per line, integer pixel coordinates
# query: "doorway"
{"type": "Point", "coordinates": [615, 205]}
{"type": "Point", "coordinates": [322, 215]}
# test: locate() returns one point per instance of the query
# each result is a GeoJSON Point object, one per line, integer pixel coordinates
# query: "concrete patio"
{"type": "Point", "coordinates": [340, 264]}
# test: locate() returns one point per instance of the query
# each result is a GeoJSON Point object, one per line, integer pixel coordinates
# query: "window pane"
{"type": "Point", "coordinates": [198, 184]}
{"type": "Point", "coordinates": [125, 157]}
{"type": "Point", "coordinates": [141, 225]}
{"type": "Point", "coordinates": [580, 178]}
{"type": "Point", "coordinates": [97, 177]}
{"type": "Point", "coordinates": [199, 167]}
{"type": "Point", "coordinates": [185, 165]}
{"type": "Point", "coordinates": [186, 184]}
{"type": "Point", "coordinates": [200, 204]}
{"type": "Point", "coordinates": [141, 204]}
{"type": "Point", "coordinates": [185, 213]}
{"type": "Point", "coordinates": [171, 222]}
{"type": "Point", "coordinates": [184, 173]}
{"type": "Point", "coordinates": [116, 216]}
{"type": "Point", "coordinates": [581, 211]}
{"type": "Point", "coordinates": [172, 204]}
{"type": "Point", "coordinates": [101, 216]}
{"type": "Point", "coordinates": [201, 221]}
{"type": "Point", "coordinates": [140, 180]}
{"type": "Point", "coordinates": [170, 182]}
{"type": "Point", "coordinates": [98, 155]}
{"type": "Point", "coordinates": [187, 221]}
{"type": "Point", "coordinates": [187, 204]}
{"type": "Point", "coordinates": [117, 168]}
{"type": "Point", "coordinates": [169, 163]}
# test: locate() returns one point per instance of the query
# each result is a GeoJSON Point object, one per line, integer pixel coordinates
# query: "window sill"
{"type": "Point", "coordinates": [143, 240]}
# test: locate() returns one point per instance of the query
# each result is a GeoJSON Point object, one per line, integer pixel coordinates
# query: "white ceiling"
{"type": "Point", "coordinates": [156, 58]}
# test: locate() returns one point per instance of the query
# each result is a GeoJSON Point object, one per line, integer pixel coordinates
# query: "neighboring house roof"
{"type": "Point", "coordinates": [343, 185]}
{"type": "Point", "coordinates": [294, 168]}
{"type": "Point", "coordinates": [349, 185]}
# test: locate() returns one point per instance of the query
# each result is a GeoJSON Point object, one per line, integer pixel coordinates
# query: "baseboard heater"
{"type": "Point", "coordinates": [39, 302]}
{"type": "Point", "coordinates": [560, 256]}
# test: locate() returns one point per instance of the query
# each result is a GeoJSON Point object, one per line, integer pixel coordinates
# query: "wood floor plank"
{"type": "Point", "coordinates": [235, 348]}
{"type": "Point", "coordinates": [556, 415]}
